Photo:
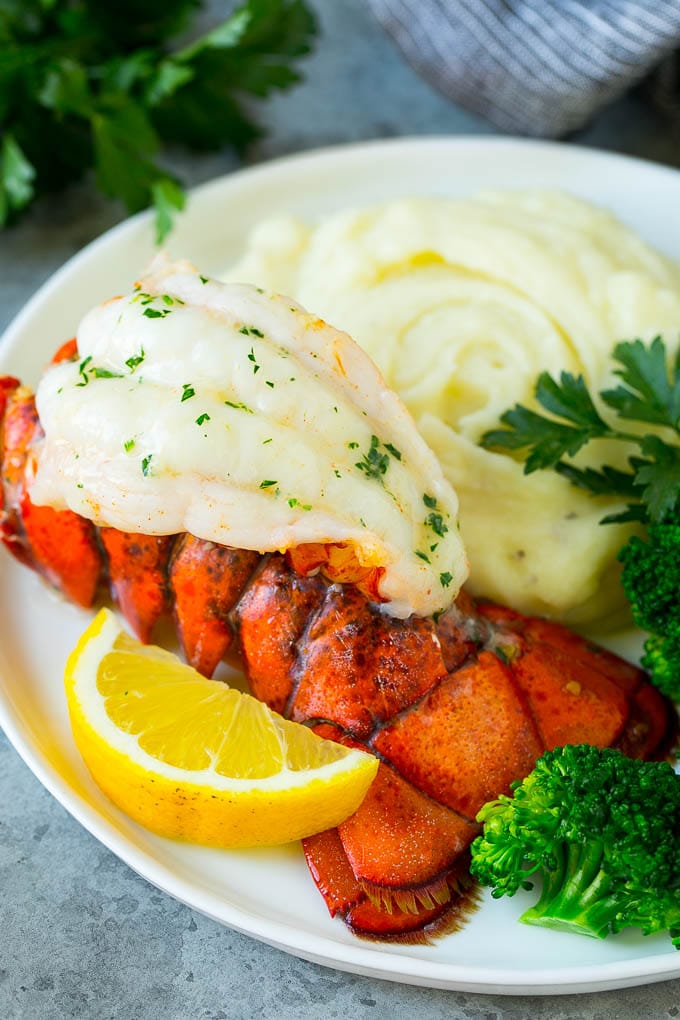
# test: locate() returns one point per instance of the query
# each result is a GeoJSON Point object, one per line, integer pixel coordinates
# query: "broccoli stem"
{"type": "Point", "coordinates": [576, 893]}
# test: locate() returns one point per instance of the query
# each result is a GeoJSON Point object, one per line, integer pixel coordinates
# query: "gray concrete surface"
{"type": "Point", "coordinates": [80, 934]}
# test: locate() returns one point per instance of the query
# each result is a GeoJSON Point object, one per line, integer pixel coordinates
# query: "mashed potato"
{"type": "Point", "coordinates": [462, 303]}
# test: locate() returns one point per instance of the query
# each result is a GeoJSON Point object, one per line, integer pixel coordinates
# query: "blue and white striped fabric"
{"type": "Point", "coordinates": [537, 67]}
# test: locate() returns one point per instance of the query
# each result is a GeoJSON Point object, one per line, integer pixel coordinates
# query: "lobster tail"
{"type": "Point", "coordinates": [456, 711]}
{"type": "Point", "coordinates": [137, 568]}
{"type": "Point", "coordinates": [456, 708]}
{"type": "Point", "coordinates": [59, 544]}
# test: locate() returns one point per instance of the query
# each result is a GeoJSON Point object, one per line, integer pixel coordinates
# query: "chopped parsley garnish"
{"type": "Point", "coordinates": [436, 522]}
{"type": "Point", "coordinates": [422, 555]}
{"type": "Point", "coordinates": [81, 369]}
{"type": "Point", "coordinates": [128, 445]}
{"type": "Point", "coordinates": [202, 418]}
{"type": "Point", "coordinates": [188, 391]}
{"type": "Point", "coordinates": [80, 485]}
{"type": "Point", "coordinates": [251, 357]}
{"type": "Point", "coordinates": [146, 464]}
{"type": "Point", "coordinates": [353, 446]}
{"type": "Point", "coordinates": [265, 441]}
{"type": "Point", "coordinates": [296, 502]}
{"type": "Point", "coordinates": [374, 464]}
{"type": "Point", "coordinates": [239, 407]}
{"type": "Point", "coordinates": [270, 384]}
{"type": "Point", "coordinates": [147, 299]}
{"type": "Point", "coordinates": [337, 473]}
{"type": "Point", "coordinates": [267, 483]}
{"type": "Point", "coordinates": [105, 373]}
{"type": "Point", "coordinates": [203, 279]}
{"type": "Point", "coordinates": [393, 450]}
{"type": "Point", "coordinates": [85, 371]}
{"type": "Point", "coordinates": [135, 360]}
{"type": "Point", "coordinates": [445, 578]}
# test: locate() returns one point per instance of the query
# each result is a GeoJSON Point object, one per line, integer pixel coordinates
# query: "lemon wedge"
{"type": "Point", "coordinates": [193, 759]}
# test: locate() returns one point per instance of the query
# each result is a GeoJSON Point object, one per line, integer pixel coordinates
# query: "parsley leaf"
{"type": "Point", "coordinates": [436, 522]}
{"type": "Point", "coordinates": [649, 392]}
{"type": "Point", "coordinates": [168, 198]}
{"type": "Point", "coordinates": [549, 439]}
{"type": "Point", "coordinates": [16, 179]}
{"type": "Point", "coordinates": [660, 477]}
{"type": "Point", "coordinates": [135, 360]}
{"type": "Point", "coordinates": [89, 85]}
{"type": "Point", "coordinates": [374, 464]}
{"type": "Point", "coordinates": [239, 407]}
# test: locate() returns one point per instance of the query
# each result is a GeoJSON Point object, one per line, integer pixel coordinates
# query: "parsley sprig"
{"type": "Point", "coordinates": [86, 84]}
{"type": "Point", "coordinates": [649, 393]}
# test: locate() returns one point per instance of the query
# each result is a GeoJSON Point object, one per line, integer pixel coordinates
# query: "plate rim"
{"type": "Point", "coordinates": [288, 937]}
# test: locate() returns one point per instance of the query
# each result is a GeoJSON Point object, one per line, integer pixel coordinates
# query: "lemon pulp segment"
{"type": "Point", "coordinates": [193, 759]}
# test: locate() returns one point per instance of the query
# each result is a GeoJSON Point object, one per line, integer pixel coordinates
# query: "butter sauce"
{"type": "Point", "coordinates": [235, 415]}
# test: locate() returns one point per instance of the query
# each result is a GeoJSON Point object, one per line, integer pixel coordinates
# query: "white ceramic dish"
{"type": "Point", "coordinates": [268, 894]}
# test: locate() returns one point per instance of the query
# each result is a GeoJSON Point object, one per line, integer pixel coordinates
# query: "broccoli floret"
{"type": "Point", "coordinates": [651, 581]}
{"type": "Point", "coordinates": [662, 660]}
{"type": "Point", "coordinates": [603, 832]}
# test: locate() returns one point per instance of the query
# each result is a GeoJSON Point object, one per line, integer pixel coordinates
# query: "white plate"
{"type": "Point", "coordinates": [268, 894]}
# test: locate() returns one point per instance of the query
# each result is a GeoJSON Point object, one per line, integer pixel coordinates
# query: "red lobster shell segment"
{"type": "Point", "coordinates": [449, 739]}
{"type": "Point", "coordinates": [456, 709]}
{"type": "Point", "coordinates": [58, 544]}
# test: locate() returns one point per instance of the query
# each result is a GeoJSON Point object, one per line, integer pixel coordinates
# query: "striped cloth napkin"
{"type": "Point", "coordinates": [536, 67]}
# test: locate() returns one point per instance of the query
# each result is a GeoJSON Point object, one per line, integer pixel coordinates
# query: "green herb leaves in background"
{"type": "Point", "coordinates": [89, 84]}
{"type": "Point", "coordinates": [649, 393]}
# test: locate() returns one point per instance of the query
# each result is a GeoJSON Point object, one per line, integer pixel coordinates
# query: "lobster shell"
{"type": "Point", "coordinates": [456, 708]}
